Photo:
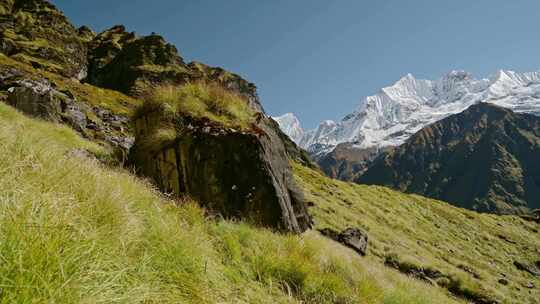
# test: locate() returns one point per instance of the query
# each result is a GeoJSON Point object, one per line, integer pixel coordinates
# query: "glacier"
{"type": "Point", "coordinates": [395, 113]}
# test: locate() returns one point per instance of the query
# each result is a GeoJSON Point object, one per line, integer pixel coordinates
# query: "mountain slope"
{"type": "Point", "coordinates": [470, 253]}
{"type": "Point", "coordinates": [398, 111]}
{"type": "Point", "coordinates": [75, 231]}
{"type": "Point", "coordinates": [138, 66]}
{"type": "Point", "coordinates": [486, 158]}
{"type": "Point", "coordinates": [345, 161]}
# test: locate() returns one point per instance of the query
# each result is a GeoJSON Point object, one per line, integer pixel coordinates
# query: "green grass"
{"type": "Point", "coordinates": [75, 231]}
{"type": "Point", "coordinates": [154, 68]}
{"type": "Point", "coordinates": [420, 233]}
{"type": "Point", "coordinates": [199, 100]}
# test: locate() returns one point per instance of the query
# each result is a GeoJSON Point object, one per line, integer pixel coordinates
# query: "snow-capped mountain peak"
{"type": "Point", "coordinates": [290, 125]}
{"type": "Point", "coordinates": [391, 116]}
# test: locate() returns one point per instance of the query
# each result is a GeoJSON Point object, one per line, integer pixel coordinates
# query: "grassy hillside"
{"type": "Point", "coordinates": [472, 251]}
{"type": "Point", "coordinates": [74, 231]}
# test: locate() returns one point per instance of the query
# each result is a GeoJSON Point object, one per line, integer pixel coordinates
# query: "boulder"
{"type": "Point", "coordinates": [37, 98]}
{"type": "Point", "coordinates": [236, 173]}
{"type": "Point", "coordinates": [353, 238]}
{"type": "Point", "coordinates": [530, 268]}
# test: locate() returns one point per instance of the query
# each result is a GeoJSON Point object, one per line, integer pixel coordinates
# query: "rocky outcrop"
{"type": "Point", "coordinates": [436, 277]}
{"type": "Point", "coordinates": [123, 61]}
{"type": "Point", "coordinates": [353, 238]}
{"type": "Point", "coordinates": [35, 32]}
{"type": "Point", "coordinates": [39, 97]}
{"type": "Point", "coordinates": [236, 173]}
{"type": "Point", "coordinates": [486, 158]}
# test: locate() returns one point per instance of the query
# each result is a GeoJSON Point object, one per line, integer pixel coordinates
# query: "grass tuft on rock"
{"type": "Point", "coordinates": [200, 100]}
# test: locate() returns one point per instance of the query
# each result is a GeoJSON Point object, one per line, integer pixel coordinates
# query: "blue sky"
{"type": "Point", "coordinates": [318, 58]}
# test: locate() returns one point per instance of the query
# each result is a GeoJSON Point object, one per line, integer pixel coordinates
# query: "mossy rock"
{"type": "Point", "coordinates": [41, 35]}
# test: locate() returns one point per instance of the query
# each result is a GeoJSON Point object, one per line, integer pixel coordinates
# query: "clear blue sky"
{"type": "Point", "coordinates": [318, 58]}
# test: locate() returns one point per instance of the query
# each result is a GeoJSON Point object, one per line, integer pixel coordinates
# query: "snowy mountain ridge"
{"type": "Point", "coordinates": [290, 125]}
{"type": "Point", "coordinates": [391, 116]}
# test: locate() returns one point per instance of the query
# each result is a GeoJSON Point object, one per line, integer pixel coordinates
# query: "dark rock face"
{"type": "Point", "coordinates": [122, 61]}
{"type": "Point", "coordinates": [35, 32]}
{"type": "Point", "coordinates": [234, 173]}
{"type": "Point", "coordinates": [486, 158]}
{"type": "Point", "coordinates": [86, 34]}
{"type": "Point", "coordinates": [353, 238]}
{"type": "Point", "coordinates": [37, 98]}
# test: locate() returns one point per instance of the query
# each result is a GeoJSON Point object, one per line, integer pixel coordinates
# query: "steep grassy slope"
{"type": "Point", "coordinates": [74, 231]}
{"type": "Point", "coordinates": [472, 251]}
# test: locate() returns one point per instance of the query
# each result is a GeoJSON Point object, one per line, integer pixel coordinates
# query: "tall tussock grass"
{"type": "Point", "coordinates": [199, 100]}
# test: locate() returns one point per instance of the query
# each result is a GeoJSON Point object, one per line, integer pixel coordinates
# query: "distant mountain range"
{"type": "Point", "coordinates": [472, 142]}
{"type": "Point", "coordinates": [395, 113]}
{"type": "Point", "coordinates": [486, 158]}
